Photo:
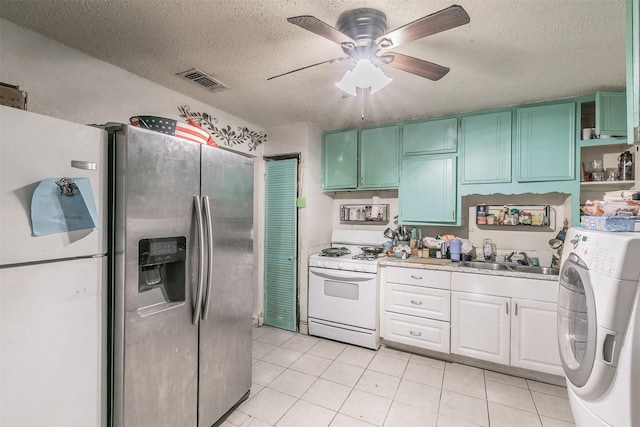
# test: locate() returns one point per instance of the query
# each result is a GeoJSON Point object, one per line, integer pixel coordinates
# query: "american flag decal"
{"type": "Point", "coordinates": [188, 131]}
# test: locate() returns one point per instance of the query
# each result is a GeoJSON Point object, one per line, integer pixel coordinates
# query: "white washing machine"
{"type": "Point", "coordinates": [599, 326]}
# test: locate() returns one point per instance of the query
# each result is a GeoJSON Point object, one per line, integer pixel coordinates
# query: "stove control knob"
{"type": "Point", "coordinates": [357, 267]}
{"type": "Point", "coordinates": [340, 266]}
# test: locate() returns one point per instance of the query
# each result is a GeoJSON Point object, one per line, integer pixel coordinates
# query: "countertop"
{"type": "Point", "coordinates": [455, 267]}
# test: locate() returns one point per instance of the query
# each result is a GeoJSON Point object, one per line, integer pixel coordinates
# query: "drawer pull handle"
{"type": "Point", "coordinates": [416, 277]}
{"type": "Point", "coordinates": [415, 334]}
{"type": "Point", "coordinates": [414, 302]}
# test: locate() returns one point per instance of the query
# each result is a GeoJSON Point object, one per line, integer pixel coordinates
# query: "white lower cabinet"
{"type": "Point", "coordinates": [417, 308]}
{"type": "Point", "coordinates": [533, 336]}
{"type": "Point", "coordinates": [480, 326]}
{"type": "Point", "coordinates": [509, 331]}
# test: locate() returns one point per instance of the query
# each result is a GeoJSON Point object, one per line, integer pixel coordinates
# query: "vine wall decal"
{"type": "Point", "coordinates": [225, 134]}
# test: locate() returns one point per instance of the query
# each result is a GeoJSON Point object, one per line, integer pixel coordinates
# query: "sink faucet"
{"type": "Point", "coordinates": [508, 259]}
{"type": "Point", "coordinates": [525, 258]}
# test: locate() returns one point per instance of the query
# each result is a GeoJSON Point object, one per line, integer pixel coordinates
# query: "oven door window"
{"type": "Point", "coordinates": [343, 290]}
{"type": "Point", "coordinates": [576, 321]}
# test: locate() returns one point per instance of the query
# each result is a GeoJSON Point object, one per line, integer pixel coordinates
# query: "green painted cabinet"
{"type": "Point", "coordinates": [485, 148]}
{"type": "Point", "coordinates": [430, 137]}
{"type": "Point", "coordinates": [545, 140]}
{"type": "Point", "coordinates": [379, 157]}
{"type": "Point", "coordinates": [427, 192]}
{"type": "Point", "coordinates": [340, 161]}
{"type": "Point", "coordinates": [366, 159]}
{"type": "Point", "coordinates": [611, 113]}
{"type": "Point", "coordinates": [633, 70]}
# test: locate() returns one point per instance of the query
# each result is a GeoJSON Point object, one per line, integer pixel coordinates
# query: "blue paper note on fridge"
{"type": "Point", "coordinates": [60, 205]}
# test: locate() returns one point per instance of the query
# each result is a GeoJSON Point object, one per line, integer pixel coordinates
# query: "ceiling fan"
{"type": "Point", "coordinates": [361, 35]}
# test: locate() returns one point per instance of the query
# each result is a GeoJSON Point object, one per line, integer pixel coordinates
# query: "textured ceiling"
{"type": "Point", "coordinates": [512, 51]}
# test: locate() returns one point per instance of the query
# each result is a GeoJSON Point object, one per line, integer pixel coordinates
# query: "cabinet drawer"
{"type": "Point", "coordinates": [418, 301]}
{"type": "Point", "coordinates": [419, 277]}
{"type": "Point", "coordinates": [424, 333]}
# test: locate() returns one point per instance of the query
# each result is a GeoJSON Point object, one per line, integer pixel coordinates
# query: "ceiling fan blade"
{"type": "Point", "coordinates": [412, 65]}
{"type": "Point", "coordinates": [309, 66]}
{"type": "Point", "coordinates": [313, 24]}
{"type": "Point", "coordinates": [448, 18]}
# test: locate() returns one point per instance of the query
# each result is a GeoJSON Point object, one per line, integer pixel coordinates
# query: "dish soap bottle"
{"type": "Point", "coordinates": [487, 250]}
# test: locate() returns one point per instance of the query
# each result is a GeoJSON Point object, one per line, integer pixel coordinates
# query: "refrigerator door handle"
{"type": "Point", "coordinates": [199, 289]}
{"type": "Point", "coordinates": [207, 216]}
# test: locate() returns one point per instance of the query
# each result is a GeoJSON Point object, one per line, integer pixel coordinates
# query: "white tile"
{"type": "Point", "coordinates": [462, 383]}
{"type": "Point", "coordinates": [258, 423]}
{"type": "Point", "coordinates": [463, 369]}
{"type": "Point", "coordinates": [390, 352]}
{"type": "Point", "coordinates": [552, 422]}
{"type": "Point", "coordinates": [327, 394]}
{"type": "Point", "coordinates": [514, 397]}
{"type": "Point", "coordinates": [505, 379]}
{"type": "Point", "coordinates": [444, 421]}
{"type": "Point", "coordinates": [424, 374]}
{"type": "Point", "coordinates": [343, 374]}
{"type": "Point", "coordinates": [305, 414]}
{"type": "Point", "coordinates": [282, 357]}
{"type": "Point", "coordinates": [301, 343]}
{"type": "Point", "coordinates": [504, 416]}
{"type": "Point", "coordinates": [237, 417]}
{"type": "Point", "coordinates": [257, 332]}
{"type": "Point", "coordinates": [263, 373]}
{"type": "Point", "coordinates": [366, 407]}
{"type": "Point", "coordinates": [423, 360]}
{"type": "Point", "coordinates": [401, 415]}
{"type": "Point", "coordinates": [255, 388]}
{"type": "Point", "coordinates": [356, 356]}
{"type": "Point", "coordinates": [261, 349]}
{"type": "Point", "coordinates": [344, 421]}
{"type": "Point", "coordinates": [310, 364]}
{"type": "Point", "coordinates": [226, 423]}
{"type": "Point", "coordinates": [378, 383]}
{"type": "Point", "coordinates": [553, 406]}
{"type": "Point", "coordinates": [418, 395]}
{"type": "Point", "coordinates": [388, 365]}
{"type": "Point", "coordinates": [292, 382]}
{"type": "Point", "coordinates": [327, 349]}
{"type": "Point", "coordinates": [548, 389]}
{"type": "Point", "coordinates": [269, 405]}
{"type": "Point", "coordinates": [277, 337]}
{"type": "Point", "coordinates": [464, 408]}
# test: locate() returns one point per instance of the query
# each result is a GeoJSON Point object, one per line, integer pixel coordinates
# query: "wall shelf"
{"type": "Point", "coordinates": [363, 214]}
{"type": "Point", "coordinates": [544, 217]}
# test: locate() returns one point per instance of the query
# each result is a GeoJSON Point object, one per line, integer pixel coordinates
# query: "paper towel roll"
{"type": "Point", "coordinates": [375, 206]}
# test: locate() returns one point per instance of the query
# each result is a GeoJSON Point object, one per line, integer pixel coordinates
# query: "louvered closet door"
{"type": "Point", "coordinates": [280, 244]}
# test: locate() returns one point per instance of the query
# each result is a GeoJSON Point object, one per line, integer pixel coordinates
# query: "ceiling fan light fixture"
{"type": "Point", "coordinates": [363, 75]}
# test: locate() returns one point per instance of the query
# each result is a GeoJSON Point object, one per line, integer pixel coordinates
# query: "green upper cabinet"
{"type": "Point", "coordinates": [427, 192]}
{"type": "Point", "coordinates": [379, 157]}
{"type": "Point", "coordinates": [611, 113]}
{"type": "Point", "coordinates": [545, 139]}
{"type": "Point", "coordinates": [633, 70]}
{"type": "Point", "coordinates": [367, 159]}
{"type": "Point", "coordinates": [430, 137]}
{"type": "Point", "coordinates": [485, 148]}
{"type": "Point", "coordinates": [340, 161]}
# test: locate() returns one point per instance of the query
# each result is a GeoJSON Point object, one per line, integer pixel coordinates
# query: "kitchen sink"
{"type": "Point", "coordinates": [535, 269]}
{"type": "Point", "coordinates": [484, 265]}
{"type": "Point", "coordinates": [510, 267]}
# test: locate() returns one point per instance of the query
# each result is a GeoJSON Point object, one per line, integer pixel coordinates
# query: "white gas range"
{"type": "Point", "coordinates": [343, 290]}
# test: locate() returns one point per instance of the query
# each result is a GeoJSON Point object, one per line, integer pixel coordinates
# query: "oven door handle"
{"type": "Point", "coordinates": [332, 275]}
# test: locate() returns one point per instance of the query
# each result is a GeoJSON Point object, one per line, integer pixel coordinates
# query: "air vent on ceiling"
{"type": "Point", "coordinates": [198, 77]}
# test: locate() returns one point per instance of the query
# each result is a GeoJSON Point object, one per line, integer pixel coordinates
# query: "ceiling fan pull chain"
{"type": "Point", "coordinates": [362, 92]}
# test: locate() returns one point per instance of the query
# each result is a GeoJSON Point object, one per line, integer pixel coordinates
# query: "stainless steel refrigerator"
{"type": "Point", "coordinates": [183, 279]}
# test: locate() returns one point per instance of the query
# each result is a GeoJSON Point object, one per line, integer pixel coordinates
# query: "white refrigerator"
{"type": "Point", "coordinates": [52, 287]}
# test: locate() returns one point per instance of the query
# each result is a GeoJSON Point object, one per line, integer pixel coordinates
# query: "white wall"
{"type": "Point", "coordinates": [70, 85]}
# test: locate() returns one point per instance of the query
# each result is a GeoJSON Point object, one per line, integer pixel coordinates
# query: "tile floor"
{"type": "Point", "coordinates": [299, 381]}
